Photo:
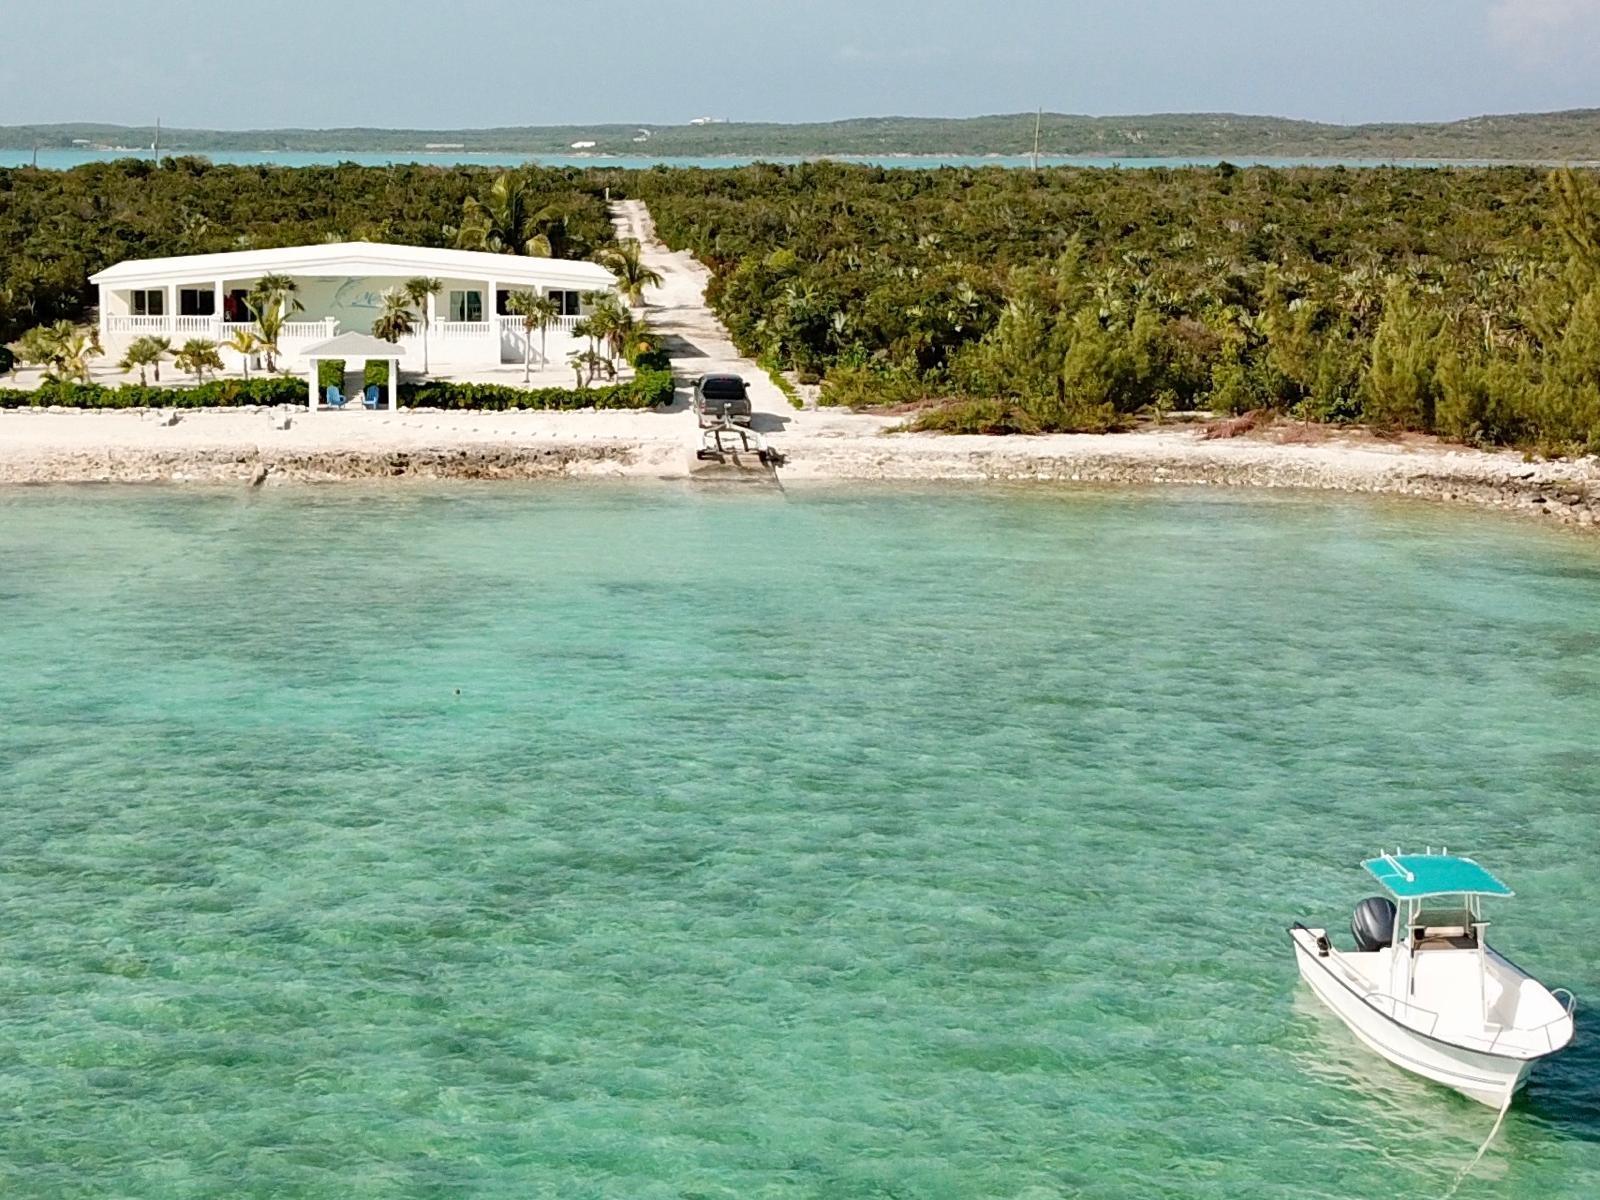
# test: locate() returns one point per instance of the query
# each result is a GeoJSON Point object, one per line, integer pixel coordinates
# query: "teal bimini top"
{"type": "Point", "coordinates": [1413, 876]}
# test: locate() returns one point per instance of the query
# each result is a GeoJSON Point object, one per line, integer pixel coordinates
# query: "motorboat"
{"type": "Point", "coordinates": [1422, 987]}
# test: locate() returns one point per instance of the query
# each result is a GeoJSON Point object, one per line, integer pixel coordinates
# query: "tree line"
{"type": "Point", "coordinates": [59, 227]}
{"type": "Point", "coordinates": [1462, 302]}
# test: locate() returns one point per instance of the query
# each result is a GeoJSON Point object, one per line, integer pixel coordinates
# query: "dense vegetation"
{"type": "Point", "coordinates": [59, 227]}
{"type": "Point", "coordinates": [644, 390]}
{"type": "Point", "coordinates": [1462, 302]}
{"type": "Point", "coordinates": [1552, 137]}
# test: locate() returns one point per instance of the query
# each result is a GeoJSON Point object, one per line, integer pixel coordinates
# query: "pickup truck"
{"type": "Point", "coordinates": [719, 398]}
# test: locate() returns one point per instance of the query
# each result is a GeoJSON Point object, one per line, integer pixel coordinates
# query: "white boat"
{"type": "Point", "coordinates": [1423, 988]}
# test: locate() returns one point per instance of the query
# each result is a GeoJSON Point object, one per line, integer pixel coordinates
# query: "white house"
{"type": "Point", "coordinates": [341, 287]}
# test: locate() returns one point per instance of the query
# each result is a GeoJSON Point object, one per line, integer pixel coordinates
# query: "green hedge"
{"type": "Point", "coordinates": [646, 389]}
{"type": "Point", "coordinates": [218, 393]}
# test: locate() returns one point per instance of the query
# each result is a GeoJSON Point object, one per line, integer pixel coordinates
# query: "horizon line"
{"type": "Point", "coordinates": [725, 123]}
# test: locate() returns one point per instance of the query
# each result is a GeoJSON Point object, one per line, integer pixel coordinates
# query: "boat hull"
{"type": "Point", "coordinates": [1490, 1079]}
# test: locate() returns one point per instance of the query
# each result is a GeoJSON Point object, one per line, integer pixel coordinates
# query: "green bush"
{"type": "Point", "coordinates": [652, 360]}
{"type": "Point", "coordinates": [330, 373]}
{"type": "Point", "coordinates": [376, 372]}
{"type": "Point", "coordinates": [866, 388]}
{"type": "Point", "coordinates": [975, 416]}
{"type": "Point", "coordinates": [645, 390]}
{"type": "Point", "coordinates": [218, 393]}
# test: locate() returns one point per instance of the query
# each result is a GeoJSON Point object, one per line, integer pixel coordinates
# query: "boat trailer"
{"type": "Point", "coordinates": [728, 444]}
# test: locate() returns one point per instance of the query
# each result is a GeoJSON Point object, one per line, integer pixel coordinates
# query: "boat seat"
{"type": "Point", "coordinates": [1442, 937]}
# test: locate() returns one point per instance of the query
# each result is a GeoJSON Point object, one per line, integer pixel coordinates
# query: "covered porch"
{"type": "Point", "coordinates": [360, 348]}
{"type": "Point", "coordinates": [461, 329]}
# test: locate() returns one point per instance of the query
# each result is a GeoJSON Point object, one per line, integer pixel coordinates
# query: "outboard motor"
{"type": "Point", "coordinates": [1372, 924]}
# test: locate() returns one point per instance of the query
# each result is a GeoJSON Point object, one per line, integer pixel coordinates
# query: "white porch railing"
{"type": "Point", "coordinates": [218, 330]}
{"type": "Point", "coordinates": [559, 325]}
{"type": "Point", "coordinates": [292, 331]}
{"type": "Point", "coordinates": [141, 325]}
{"type": "Point", "coordinates": [455, 331]}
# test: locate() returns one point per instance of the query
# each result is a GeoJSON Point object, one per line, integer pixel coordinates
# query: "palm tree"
{"type": "Point", "coordinates": [198, 355]}
{"type": "Point", "coordinates": [537, 312]}
{"type": "Point", "coordinates": [608, 323]}
{"type": "Point", "coordinates": [595, 362]}
{"type": "Point", "coordinates": [145, 352]}
{"type": "Point", "coordinates": [503, 222]}
{"type": "Point", "coordinates": [272, 301]}
{"type": "Point", "coordinates": [246, 343]}
{"type": "Point", "coordinates": [419, 291]}
{"type": "Point", "coordinates": [160, 347]}
{"type": "Point", "coordinates": [396, 320]}
{"type": "Point", "coordinates": [282, 289]}
{"type": "Point", "coordinates": [62, 349]}
{"type": "Point", "coordinates": [522, 304]}
{"type": "Point", "coordinates": [623, 261]}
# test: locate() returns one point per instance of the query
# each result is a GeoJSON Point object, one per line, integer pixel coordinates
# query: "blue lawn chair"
{"type": "Point", "coordinates": [370, 399]}
{"type": "Point", "coordinates": [335, 398]}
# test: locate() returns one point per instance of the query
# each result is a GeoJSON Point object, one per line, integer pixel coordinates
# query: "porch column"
{"type": "Point", "coordinates": [105, 316]}
{"type": "Point", "coordinates": [491, 345]}
{"type": "Point", "coordinates": [394, 384]}
{"type": "Point", "coordinates": [311, 406]}
{"type": "Point", "coordinates": [172, 307]}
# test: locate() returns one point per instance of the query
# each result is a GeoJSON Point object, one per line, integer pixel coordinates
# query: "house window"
{"type": "Point", "coordinates": [571, 302]}
{"type": "Point", "coordinates": [148, 302]}
{"type": "Point", "coordinates": [197, 302]}
{"type": "Point", "coordinates": [466, 306]}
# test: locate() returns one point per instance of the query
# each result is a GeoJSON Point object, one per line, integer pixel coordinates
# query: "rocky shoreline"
{"type": "Point", "coordinates": [273, 448]}
{"type": "Point", "coordinates": [256, 468]}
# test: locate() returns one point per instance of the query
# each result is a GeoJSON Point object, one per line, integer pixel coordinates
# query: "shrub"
{"type": "Point", "coordinates": [863, 388]}
{"type": "Point", "coordinates": [644, 390]}
{"type": "Point", "coordinates": [974, 416]}
{"type": "Point", "coordinates": [218, 393]}
{"type": "Point", "coordinates": [330, 373]}
{"type": "Point", "coordinates": [654, 359]}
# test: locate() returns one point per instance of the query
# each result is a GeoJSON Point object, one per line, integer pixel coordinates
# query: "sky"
{"type": "Point", "coordinates": [474, 63]}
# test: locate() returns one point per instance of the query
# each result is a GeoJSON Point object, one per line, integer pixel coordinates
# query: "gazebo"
{"type": "Point", "coordinates": [358, 347]}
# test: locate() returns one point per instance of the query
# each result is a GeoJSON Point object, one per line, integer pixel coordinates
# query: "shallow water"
{"type": "Point", "coordinates": [632, 842]}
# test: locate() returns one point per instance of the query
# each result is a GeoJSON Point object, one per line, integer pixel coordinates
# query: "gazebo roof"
{"type": "Point", "coordinates": [354, 345]}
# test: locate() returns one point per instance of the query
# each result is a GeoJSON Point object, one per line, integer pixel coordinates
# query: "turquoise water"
{"type": "Point", "coordinates": [594, 841]}
{"type": "Point", "coordinates": [62, 159]}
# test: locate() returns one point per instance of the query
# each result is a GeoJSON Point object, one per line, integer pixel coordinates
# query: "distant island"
{"type": "Point", "coordinates": [1572, 136]}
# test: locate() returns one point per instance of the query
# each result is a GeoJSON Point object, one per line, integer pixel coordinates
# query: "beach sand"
{"type": "Point", "coordinates": [246, 447]}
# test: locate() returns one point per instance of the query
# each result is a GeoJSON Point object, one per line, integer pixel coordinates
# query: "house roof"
{"type": "Point", "coordinates": [1414, 876]}
{"type": "Point", "coordinates": [358, 258]}
{"type": "Point", "coordinates": [354, 344]}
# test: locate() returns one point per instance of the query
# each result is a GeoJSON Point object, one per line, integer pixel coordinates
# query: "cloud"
{"type": "Point", "coordinates": [1542, 31]}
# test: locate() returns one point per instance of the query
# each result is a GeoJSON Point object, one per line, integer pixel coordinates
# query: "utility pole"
{"type": "Point", "coordinates": [155, 146]}
{"type": "Point", "coordinates": [1037, 122]}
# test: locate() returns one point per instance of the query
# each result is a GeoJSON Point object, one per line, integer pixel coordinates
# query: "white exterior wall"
{"type": "Point", "coordinates": [338, 302]}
